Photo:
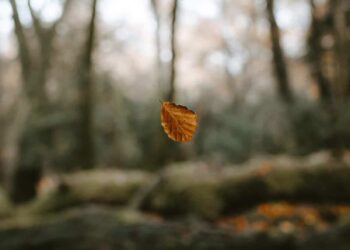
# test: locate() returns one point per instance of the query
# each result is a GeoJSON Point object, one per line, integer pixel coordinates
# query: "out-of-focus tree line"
{"type": "Point", "coordinates": [77, 93]}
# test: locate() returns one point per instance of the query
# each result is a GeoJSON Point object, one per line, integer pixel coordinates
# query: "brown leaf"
{"type": "Point", "coordinates": [178, 122]}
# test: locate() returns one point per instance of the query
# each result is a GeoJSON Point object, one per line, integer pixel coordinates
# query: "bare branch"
{"type": "Point", "coordinates": [87, 56]}
{"type": "Point", "coordinates": [46, 39]}
{"type": "Point", "coordinates": [66, 7]}
{"type": "Point", "coordinates": [36, 22]}
{"type": "Point", "coordinates": [22, 41]}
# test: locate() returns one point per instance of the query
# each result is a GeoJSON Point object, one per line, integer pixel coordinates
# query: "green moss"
{"type": "Point", "coordinates": [53, 201]}
{"type": "Point", "coordinates": [5, 204]}
{"type": "Point", "coordinates": [188, 189]}
{"type": "Point", "coordinates": [101, 187]}
{"type": "Point", "coordinates": [283, 181]}
{"type": "Point", "coordinates": [200, 199]}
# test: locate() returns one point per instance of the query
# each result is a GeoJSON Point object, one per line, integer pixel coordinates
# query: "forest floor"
{"type": "Point", "coordinates": [268, 203]}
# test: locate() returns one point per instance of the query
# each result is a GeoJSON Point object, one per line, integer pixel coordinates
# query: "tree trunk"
{"type": "Point", "coordinates": [283, 85]}
{"type": "Point", "coordinates": [173, 28]}
{"type": "Point", "coordinates": [315, 55]}
{"type": "Point", "coordinates": [159, 64]}
{"type": "Point", "coordinates": [86, 152]}
{"type": "Point", "coordinates": [341, 49]}
{"type": "Point", "coordinates": [166, 151]}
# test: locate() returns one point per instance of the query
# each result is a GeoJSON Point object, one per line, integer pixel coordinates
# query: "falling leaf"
{"type": "Point", "coordinates": [178, 122]}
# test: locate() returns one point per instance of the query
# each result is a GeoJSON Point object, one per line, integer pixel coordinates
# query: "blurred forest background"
{"type": "Point", "coordinates": [80, 89]}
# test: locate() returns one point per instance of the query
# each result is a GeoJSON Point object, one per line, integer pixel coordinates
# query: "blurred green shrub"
{"type": "Point", "coordinates": [5, 204]}
{"type": "Point", "coordinates": [269, 127]}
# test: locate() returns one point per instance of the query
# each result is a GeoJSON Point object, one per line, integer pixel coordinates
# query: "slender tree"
{"type": "Point", "coordinates": [341, 48]}
{"type": "Point", "coordinates": [173, 31]}
{"type": "Point", "coordinates": [86, 152]}
{"type": "Point", "coordinates": [316, 52]}
{"type": "Point", "coordinates": [279, 62]}
{"type": "Point", "coordinates": [164, 150]}
{"type": "Point", "coordinates": [159, 64]}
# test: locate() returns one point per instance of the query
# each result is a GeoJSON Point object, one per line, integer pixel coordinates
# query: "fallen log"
{"type": "Point", "coordinates": [208, 192]}
{"type": "Point", "coordinates": [201, 190]}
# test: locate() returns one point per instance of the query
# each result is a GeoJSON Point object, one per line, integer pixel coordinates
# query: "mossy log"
{"type": "Point", "coordinates": [209, 193]}
{"type": "Point", "coordinates": [201, 190]}
{"type": "Point", "coordinates": [100, 229]}
{"type": "Point", "coordinates": [6, 207]}
{"type": "Point", "coordinates": [109, 187]}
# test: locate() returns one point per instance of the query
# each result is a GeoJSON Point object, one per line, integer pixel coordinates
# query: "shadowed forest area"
{"type": "Point", "coordinates": [86, 165]}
